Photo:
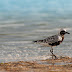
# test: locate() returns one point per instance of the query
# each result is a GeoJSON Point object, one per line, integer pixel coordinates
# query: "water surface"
{"type": "Point", "coordinates": [21, 23]}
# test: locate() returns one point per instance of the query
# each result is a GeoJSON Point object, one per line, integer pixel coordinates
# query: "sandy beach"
{"type": "Point", "coordinates": [63, 64]}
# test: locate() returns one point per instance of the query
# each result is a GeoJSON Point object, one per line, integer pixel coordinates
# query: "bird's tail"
{"type": "Point", "coordinates": [37, 41]}
{"type": "Point", "coordinates": [34, 41]}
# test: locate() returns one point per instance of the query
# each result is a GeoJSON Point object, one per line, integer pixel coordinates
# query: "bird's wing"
{"type": "Point", "coordinates": [52, 39]}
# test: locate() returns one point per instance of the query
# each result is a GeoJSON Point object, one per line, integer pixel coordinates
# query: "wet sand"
{"type": "Point", "coordinates": [62, 64]}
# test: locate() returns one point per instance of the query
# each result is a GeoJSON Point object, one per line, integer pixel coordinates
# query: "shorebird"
{"type": "Point", "coordinates": [52, 41]}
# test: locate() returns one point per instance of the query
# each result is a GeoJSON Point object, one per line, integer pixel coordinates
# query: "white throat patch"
{"type": "Point", "coordinates": [59, 38]}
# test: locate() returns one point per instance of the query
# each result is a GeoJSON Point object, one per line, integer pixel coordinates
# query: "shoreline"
{"type": "Point", "coordinates": [63, 64]}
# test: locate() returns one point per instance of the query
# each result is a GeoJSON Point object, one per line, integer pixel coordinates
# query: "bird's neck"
{"type": "Point", "coordinates": [62, 37]}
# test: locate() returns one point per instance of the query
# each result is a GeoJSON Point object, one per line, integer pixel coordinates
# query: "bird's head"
{"type": "Point", "coordinates": [63, 32]}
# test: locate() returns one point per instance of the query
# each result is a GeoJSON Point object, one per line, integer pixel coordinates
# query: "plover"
{"type": "Point", "coordinates": [52, 41]}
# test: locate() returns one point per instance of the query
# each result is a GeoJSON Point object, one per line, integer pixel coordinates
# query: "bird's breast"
{"type": "Point", "coordinates": [62, 37]}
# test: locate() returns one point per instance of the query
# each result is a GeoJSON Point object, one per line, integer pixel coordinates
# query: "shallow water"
{"type": "Point", "coordinates": [22, 22]}
{"type": "Point", "coordinates": [16, 39]}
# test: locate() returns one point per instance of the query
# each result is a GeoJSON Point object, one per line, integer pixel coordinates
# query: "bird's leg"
{"type": "Point", "coordinates": [53, 53]}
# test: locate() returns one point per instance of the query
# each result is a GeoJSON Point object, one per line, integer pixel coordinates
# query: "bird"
{"type": "Point", "coordinates": [53, 40]}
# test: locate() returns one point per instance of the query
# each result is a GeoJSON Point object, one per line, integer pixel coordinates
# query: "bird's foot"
{"type": "Point", "coordinates": [54, 56]}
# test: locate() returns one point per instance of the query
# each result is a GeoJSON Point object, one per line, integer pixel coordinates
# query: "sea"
{"type": "Point", "coordinates": [23, 21]}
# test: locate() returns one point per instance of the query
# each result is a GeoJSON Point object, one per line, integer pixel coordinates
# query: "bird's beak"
{"type": "Point", "coordinates": [67, 33]}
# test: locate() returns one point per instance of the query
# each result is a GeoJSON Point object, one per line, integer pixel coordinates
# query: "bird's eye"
{"type": "Point", "coordinates": [62, 32]}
